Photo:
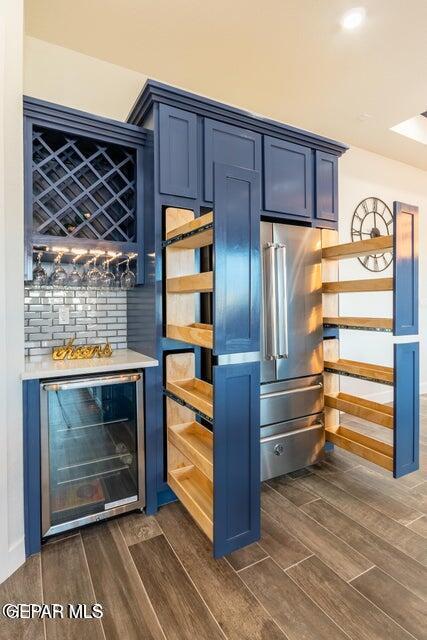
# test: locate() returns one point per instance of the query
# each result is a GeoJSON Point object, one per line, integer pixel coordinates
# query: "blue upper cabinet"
{"type": "Point", "coordinates": [237, 260]}
{"type": "Point", "coordinates": [288, 178]}
{"type": "Point", "coordinates": [178, 152]}
{"type": "Point", "coordinates": [326, 186]}
{"type": "Point", "coordinates": [230, 145]}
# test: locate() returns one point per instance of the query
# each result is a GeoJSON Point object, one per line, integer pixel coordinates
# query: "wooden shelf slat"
{"type": "Point", "coordinates": [375, 451]}
{"type": "Point", "coordinates": [373, 372]}
{"type": "Point", "coordinates": [194, 283]}
{"type": "Point", "coordinates": [193, 232]}
{"type": "Point", "coordinates": [196, 392]}
{"type": "Point", "coordinates": [196, 443]}
{"type": "Point", "coordinates": [195, 492]}
{"type": "Point", "coordinates": [354, 286]}
{"type": "Point", "coordinates": [366, 409]}
{"type": "Point", "coordinates": [196, 333]}
{"type": "Point", "coordinates": [350, 322]}
{"type": "Point", "coordinates": [358, 249]}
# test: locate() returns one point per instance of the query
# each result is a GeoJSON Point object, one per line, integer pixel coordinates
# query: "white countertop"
{"type": "Point", "coordinates": [122, 359]}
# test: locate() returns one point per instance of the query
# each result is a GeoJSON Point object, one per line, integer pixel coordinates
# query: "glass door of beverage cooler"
{"type": "Point", "coordinates": [92, 437]}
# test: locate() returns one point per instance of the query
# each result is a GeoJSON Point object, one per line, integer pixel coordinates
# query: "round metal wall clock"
{"type": "Point", "coordinates": [372, 218]}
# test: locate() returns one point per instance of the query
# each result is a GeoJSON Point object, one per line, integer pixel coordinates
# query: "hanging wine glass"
{"type": "Point", "coordinates": [94, 275]}
{"type": "Point", "coordinates": [74, 278]}
{"type": "Point", "coordinates": [39, 272]}
{"type": "Point", "coordinates": [58, 277]}
{"type": "Point", "coordinates": [117, 282]}
{"type": "Point", "coordinates": [84, 278]}
{"type": "Point", "coordinates": [107, 278]}
{"type": "Point", "coordinates": [127, 279]}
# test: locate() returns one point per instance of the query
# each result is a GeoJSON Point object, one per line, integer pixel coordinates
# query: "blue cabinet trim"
{"type": "Point", "coordinates": [326, 187]}
{"type": "Point", "coordinates": [405, 269]}
{"type": "Point", "coordinates": [288, 178]}
{"type": "Point", "coordinates": [228, 145]}
{"type": "Point", "coordinates": [32, 481]}
{"type": "Point", "coordinates": [406, 408]}
{"type": "Point", "coordinates": [237, 480]}
{"type": "Point", "coordinates": [178, 152]}
{"type": "Point", "coordinates": [237, 274]}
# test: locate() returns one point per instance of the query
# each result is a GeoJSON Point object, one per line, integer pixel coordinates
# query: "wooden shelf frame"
{"type": "Point", "coordinates": [193, 234]}
{"type": "Point", "coordinates": [358, 286]}
{"type": "Point", "coordinates": [197, 393]}
{"type": "Point", "coordinates": [359, 323]}
{"type": "Point", "coordinates": [196, 443]}
{"type": "Point", "coordinates": [194, 283]}
{"type": "Point", "coordinates": [375, 412]}
{"type": "Point", "coordinates": [195, 491]}
{"type": "Point", "coordinates": [197, 334]}
{"type": "Point", "coordinates": [362, 370]}
{"type": "Point", "coordinates": [359, 249]}
{"type": "Point", "coordinates": [371, 449]}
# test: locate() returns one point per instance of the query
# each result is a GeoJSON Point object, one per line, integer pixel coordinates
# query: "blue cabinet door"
{"type": "Point", "coordinates": [326, 186]}
{"type": "Point", "coordinates": [237, 482]}
{"type": "Point", "coordinates": [237, 203]}
{"type": "Point", "coordinates": [406, 408]}
{"type": "Point", "coordinates": [228, 145]}
{"type": "Point", "coordinates": [178, 152]}
{"type": "Point", "coordinates": [288, 178]}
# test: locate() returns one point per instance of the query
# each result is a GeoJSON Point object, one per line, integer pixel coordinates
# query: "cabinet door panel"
{"type": "Point", "coordinates": [237, 260]}
{"type": "Point", "coordinates": [326, 186]}
{"type": "Point", "coordinates": [406, 408]}
{"type": "Point", "coordinates": [237, 481]}
{"type": "Point", "coordinates": [178, 152]}
{"type": "Point", "coordinates": [288, 180]}
{"type": "Point", "coordinates": [229, 145]}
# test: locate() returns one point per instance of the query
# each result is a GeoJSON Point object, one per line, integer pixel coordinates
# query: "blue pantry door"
{"type": "Point", "coordinates": [237, 478]}
{"type": "Point", "coordinates": [237, 269]}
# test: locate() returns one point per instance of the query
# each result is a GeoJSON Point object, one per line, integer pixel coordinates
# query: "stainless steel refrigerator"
{"type": "Point", "coordinates": [292, 432]}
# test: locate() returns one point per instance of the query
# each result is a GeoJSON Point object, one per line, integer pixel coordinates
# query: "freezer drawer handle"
{"type": "Point", "coordinates": [318, 425]}
{"type": "Point", "coordinates": [275, 394]}
{"type": "Point", "coordinates": [91, 382]}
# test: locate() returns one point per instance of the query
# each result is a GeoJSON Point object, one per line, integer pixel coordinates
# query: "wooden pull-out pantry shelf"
{"type": "Point", "coordinates": [373, 372]}
{"type": "Point", "coordinates": [196, 393]}
{"type": "Point", "coordinates": [367, 324]}
{"type": "Point", "coordinates": [358, 249]}
{"type": "Point", "coordinates": [194, 234]}
{"type": "Point", "coordinates": [195, 491]}
{"type": "Point", "coordinates": [358, 286]}
{"type": "Point", "coordinates": [196, 333]}
{"type": "Point", "coordinates": [375, 412]}
{"type": "Point", "coordinates": [195, 283]}
{"type": "Point", "coordinates": [196, 443]}
{"type": "Point", "coordinates": [375, 451]}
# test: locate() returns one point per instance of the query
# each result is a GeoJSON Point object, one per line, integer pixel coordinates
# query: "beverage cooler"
{"type": "Point", "coordinates": [92, 439]}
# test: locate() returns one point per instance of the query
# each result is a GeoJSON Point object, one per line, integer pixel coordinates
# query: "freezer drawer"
{"type": "Point", "coordinates": [292, 447]}
{"type": "Point", "coordinates": [290, 399]}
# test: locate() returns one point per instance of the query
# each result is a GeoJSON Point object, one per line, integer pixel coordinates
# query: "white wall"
{"type": "Point", "coordinates": [364, 174]}
{"type": "Point", "coordinates": [11, 289]}
{"type": "Point", "coordinates": [75, 80]}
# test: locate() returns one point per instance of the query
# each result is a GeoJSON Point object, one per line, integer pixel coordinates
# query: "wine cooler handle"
{"type": "Point", "coordinates": [82, 383]}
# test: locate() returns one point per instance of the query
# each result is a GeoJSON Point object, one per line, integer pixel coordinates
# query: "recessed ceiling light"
{"type": "Point", "coordinates": [353, 18]}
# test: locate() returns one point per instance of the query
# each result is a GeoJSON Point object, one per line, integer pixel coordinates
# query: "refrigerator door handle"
{"type": "Point", "coordinates": [270, 302]}
{"type": "Point", "coordinates": [282, 299]}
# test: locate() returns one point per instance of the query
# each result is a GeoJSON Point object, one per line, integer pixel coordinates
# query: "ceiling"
{"type": "Point", "coordinates": [286, 59]}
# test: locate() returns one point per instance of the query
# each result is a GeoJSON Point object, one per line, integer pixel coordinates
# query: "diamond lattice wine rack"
{"type": "Point", "coordinates": [83, 181]}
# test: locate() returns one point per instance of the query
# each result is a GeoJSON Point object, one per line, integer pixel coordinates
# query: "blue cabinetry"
{"type": "Point", "coordinates": [178, 152]}
{"type": "Point", "coordinates": [237, 261]}
{"type": "Point", "coordinates": [288, 178]}
{"type": "Point", "coordinates": [228, 145]}
{"type": "Point", "coordinates": [326, 187]}
{"type": "Point", "coordinates": [236, 456]}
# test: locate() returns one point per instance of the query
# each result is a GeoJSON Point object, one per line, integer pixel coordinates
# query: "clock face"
{"type": "Point", "coordinates": [372, 218]}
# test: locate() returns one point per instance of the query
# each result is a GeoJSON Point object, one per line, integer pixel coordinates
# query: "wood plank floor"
{"type": "Point", "coordinates": [343, 555]}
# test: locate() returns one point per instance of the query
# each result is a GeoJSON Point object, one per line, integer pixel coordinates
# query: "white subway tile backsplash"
{"type": "Point", "coordinates": [94, 316]}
